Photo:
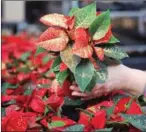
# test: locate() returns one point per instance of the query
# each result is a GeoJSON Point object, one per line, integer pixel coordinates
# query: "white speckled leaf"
{"type": "Point", "coordinates": [92, 83]}
{"type": "Point", "coordinates": [83, 74]}
{"type": "Point", "coordinates": [101, 75]}
{"type": "Point", "coordinates": [73, 10]}
{"type": "Point", "coordinates": [100, 25]}
{"type": "Point", "coordinates": [115, 52]}
{"type": "Point", "coordinates": [138, 121]}
{"type": "Point", "coordinates": [74, 128]}
{"type": "Point", "coordinates": [113, 40]}
{"type": "Point", "coordinates": [85, 16]}
{"type": "Point", "coordinates": [69, 58]}
{"type": "Point", "coordinates": [61, 76]}
{"type": "Point", "coordinates": [104, 130]}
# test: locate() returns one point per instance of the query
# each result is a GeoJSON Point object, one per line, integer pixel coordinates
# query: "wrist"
{"type": "Point", "coordinates": [118, 77]}
{"type": "Point", "coordinates": [135, 81]}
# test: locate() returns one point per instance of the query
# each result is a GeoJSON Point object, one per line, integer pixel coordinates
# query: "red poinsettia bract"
{"type": "Point", "coordinates": [62, 30]}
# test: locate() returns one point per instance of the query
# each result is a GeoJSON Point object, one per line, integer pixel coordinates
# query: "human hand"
{"type": "Point", "coordinates": [120, 77]}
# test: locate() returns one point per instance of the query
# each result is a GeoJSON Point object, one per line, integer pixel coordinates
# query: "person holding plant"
{"type": "Point", "coordinates": [120, 77]}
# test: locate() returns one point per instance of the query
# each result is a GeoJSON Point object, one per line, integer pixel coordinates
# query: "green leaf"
{"type": "Point", "coordinates": [47, 58]}
{"type": "Point", "coordinates": [117, 97]}
{"type": "Point", "coordinates": [39, 50]}
{"type": "Point", "coordinates": [74, 128]}
{"type": "Point", "coordinates": [73, 10]}
{"type": "Point", "coordinates": [8, 85]}
{"type": "Point", "coordinates": [83, 74]}
{"type": "Point", "coordinates": [61, 76]}
{"type": "Point", "coordinates": [56, 63]}
{"type": "Point", "coordinates": [9, 102]}
{"type": "Point", "coordinates": [5, 86]}
{"type": "Point", "coordinates": [69, 58]}
{"type": "Point", "coordinates": [46, 110]}
{"type": "Point", "coordinates": [92, 83]}
{"type": "Point", "coordinates": [138, 121]}
{"type": "Point", "coordinates": [55, 124]}
{"type": "Point", "coordinates": [128, 105]}
{"type": "Point", "coordinates": [101, 75]}
{"type": "Point", "coordinates": [115, 52]}
{"type": "Point", "coordinates": [3, 111]}
{"type": "Point", "coordinates": [86, 112]}
{"type": "Point", "coordinates": [24, 69]}
{"type": "Point", "coordinates": [59, 111]}
{"type": "Point", "coordinates": [72, 102]}
{"type": "Point", "coordinates": [28, 91]}
{"type": "Point", "coordinates": [85, 16]}
{"type": "Point", "coordinates": [104, 130]}
{"type": "Point", "coordinates": [25, 56]}
{"type": "Point", "coordinates": [43, 85]}
{"type": "Point", "coordinates": [109, 111]}
{"type": "Point", "coordinates": [113, 40]}
{"type": "Point", "coordinates": [100, 25]}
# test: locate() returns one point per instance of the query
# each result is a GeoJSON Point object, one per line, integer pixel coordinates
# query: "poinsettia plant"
{"type": "Point", "coordinates": [83, 42]}
{"type": "Point", "coordinates": [35, 89]}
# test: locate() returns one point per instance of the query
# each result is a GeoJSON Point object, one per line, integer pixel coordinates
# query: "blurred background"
{"type": "Point", "coordinates": [128, 22]}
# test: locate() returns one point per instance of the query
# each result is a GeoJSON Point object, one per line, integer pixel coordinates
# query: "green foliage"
{"type": "Point", "coordinates": [104, 130]}
{"type": "Point", "coordinates": [73, 10]}
{"type": "Point", "coordinates": [138, 121]}
{"type": "Point", "coordinates": [92, 83]}
{"type": "Point", "coordinates": [11, 102]}
{"type": "Point", "coordinates": [25, 69]}
{"type": "Point", "coordinates": [115, 52]}
{"type": "Point", "coordinates": [61, 76]}
{"type": "Point", "coordinates": [72, 102]}
{"type": "Point", "coordinates": [101, 75]}
{"type": "Point", "coordinates": [25, 56]}
{"type": "Point", "coordinates": [28, 91]}
{"type": "Point", "coordinates": [113, 40]}
{"type": "Point", "coordinates": [47, 58]}
{"type": "Point", "coordinates": [86, 112]}
{"type": "Point", "coordinates": [117, 97]}
{"type": "Point", "coordinates": [85, 16]}
{"type": "Point", "coordinates": [109, 111]}
{"type": "Point", "coordinates": [55, 124]}
{"type": "Point", "coordinates": [100, 25]}
{"type": "Point", "coordinates": [69, 58]}
{"type": "Point", "coordinates": [83, 74]}
{"type": "Point", "coordinates": [74, 128]}
{"type": "Point", "coordinates": [43, 85]}
{"type": "Point", "coordinates": [8, 85]}
{"type": "Point", "coordinates": [3, 111]}
{"type": "Point", "coordinates": [56, 63]}
{"type": "Point", "coordinates": [46, 110]}
{"type": "Point", "coordinates": [39, 50]}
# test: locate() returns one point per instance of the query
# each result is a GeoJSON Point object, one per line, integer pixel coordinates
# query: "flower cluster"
{"type": "Point", "coordinates": [41, 110]}
{"type": "Point", "coordinates": [82, 38]}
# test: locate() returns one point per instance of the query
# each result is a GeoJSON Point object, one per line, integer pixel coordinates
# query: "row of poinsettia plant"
{"type": "Point", "coordinates": [35, 89]}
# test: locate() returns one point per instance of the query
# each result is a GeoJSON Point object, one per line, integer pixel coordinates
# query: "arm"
{"type": "Point", "coordinates": [136, 81]}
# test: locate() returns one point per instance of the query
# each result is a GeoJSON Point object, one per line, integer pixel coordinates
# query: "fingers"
{"type": "Point", "coordinates": [74, 88]}
{"type": "Point", "coordinates": [98, 91]}
{"type": "Point", "coordinates": [79, 94]}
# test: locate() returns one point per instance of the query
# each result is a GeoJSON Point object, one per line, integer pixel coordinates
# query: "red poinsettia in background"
{"type": "Point", "coordinates": [35, 89]}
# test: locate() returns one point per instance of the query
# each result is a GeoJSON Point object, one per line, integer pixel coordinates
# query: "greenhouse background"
{"type": "Point", "coordinates": [128, 22]}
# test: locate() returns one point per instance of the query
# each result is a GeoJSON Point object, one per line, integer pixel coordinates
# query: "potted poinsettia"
{"type": "Point", "coordinates": [75, 48]}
